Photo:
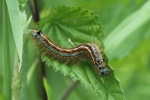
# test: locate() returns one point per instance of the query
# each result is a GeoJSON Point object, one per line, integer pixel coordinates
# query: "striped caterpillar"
{"type": "Point", "coordinates": [89, 50]}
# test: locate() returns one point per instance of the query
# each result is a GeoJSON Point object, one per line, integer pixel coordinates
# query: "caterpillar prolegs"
{"type": "Point", "coordinates": [92, 51]}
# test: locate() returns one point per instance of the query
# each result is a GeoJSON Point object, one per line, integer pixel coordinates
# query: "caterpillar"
{"type": "Point", "coordinates": [87, 50]}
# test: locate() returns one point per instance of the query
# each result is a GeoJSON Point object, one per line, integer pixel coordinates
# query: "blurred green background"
{"type": "Point", "coordinates": [126, 26]}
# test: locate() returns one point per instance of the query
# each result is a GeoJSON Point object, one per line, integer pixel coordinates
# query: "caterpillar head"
{"type": "Point", "coordinates": [36, 33]}
{"type": "Point", "coordinates": [102, 68]}
{"type": "Point", "coordinates": [104, 72]}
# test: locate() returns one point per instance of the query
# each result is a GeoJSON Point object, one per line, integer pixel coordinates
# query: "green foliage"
{"type": "Point", "coordinates": [81, 26]}
{"type": "Point", "coordinates": [6, 57]}
{"type": "Point", "coordinates": [126, 41]}
{"type": "Point", "coordinates": [126, 30]}
{"type": "Point", "coordinates": [75, 23]}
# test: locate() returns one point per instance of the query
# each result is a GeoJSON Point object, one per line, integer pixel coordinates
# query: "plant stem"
{"type": "Point", "coordinates": [35, 14]}
{"type": "Point", "coordinates": [70, 89]}
{"type": "Point", "coordinates": [35, 11]}
{"type": "Point", "coordinates": [44, 95]}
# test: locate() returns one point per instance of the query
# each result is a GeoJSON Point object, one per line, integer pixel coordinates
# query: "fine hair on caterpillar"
{"type": "Point", "coordinates": [86, 50]}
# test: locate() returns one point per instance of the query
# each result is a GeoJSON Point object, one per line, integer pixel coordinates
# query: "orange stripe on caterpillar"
{"type": "Point", "coordinates": [87, 49]}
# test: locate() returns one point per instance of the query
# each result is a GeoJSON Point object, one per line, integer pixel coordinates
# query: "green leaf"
{"type": "Point", "coordinates": [6, 56]}
{"type": "Point", "coordinates": [19, 82]}
{"type": "Point", "coordinates": [123, 36]}
{"type": "Point", "coordinates": [16, 24]}
{"type": "Point", "coordinates": [48, 89]}
{"type": "Point", "coordinates": [81, 26]}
